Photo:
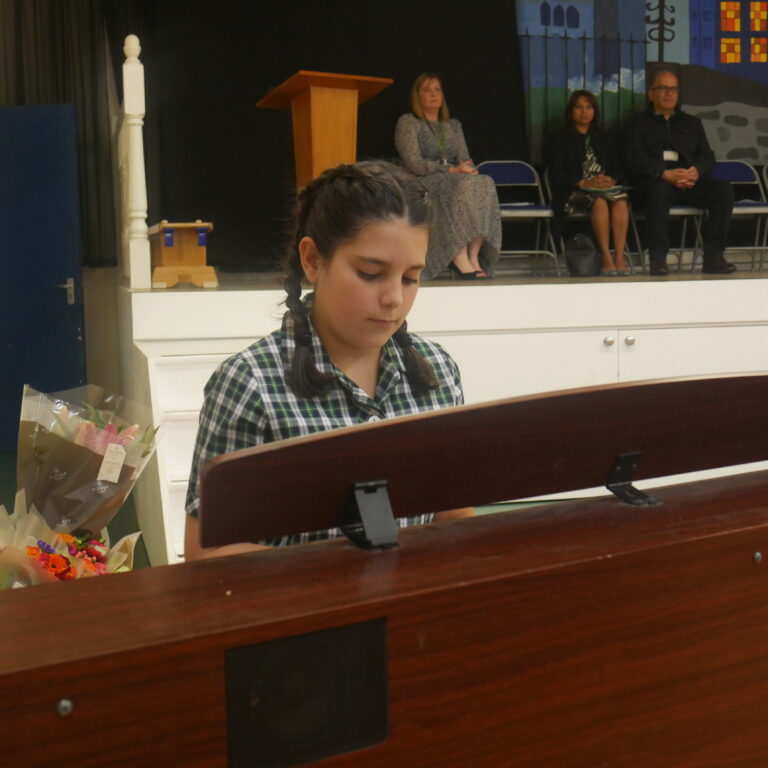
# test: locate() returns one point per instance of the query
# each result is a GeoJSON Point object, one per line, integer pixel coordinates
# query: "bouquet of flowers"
{"type": "Point", "coordinates": [80, 452]}
{"type": "Point", "coordinates": [31, 553]}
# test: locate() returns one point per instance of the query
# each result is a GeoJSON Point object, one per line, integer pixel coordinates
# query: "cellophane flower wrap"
{"type": "Point", "coordinates": [31, 553]}
{"type": "Point", "coordinates": [80, 452]}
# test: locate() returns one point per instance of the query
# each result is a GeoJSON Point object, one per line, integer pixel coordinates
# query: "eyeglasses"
{"type": "Point", "coordinates": [665, 88]}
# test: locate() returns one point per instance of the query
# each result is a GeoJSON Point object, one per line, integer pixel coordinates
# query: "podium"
{"type": "Point", "coordinates": [579, 633]}
{"type": "Point", "coordinates": [324, 114]}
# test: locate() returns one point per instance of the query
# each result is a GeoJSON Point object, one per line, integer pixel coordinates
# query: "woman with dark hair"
{"type": "Point", "coordinates": [343, 355]}
{"type": "Point", "coordinates": [466, 234]}
{"type": "Point", "coordinates": [585, 174]}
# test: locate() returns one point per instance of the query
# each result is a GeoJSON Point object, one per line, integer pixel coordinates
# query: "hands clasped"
{"type": "Point", "coordinates": [465, 167]}
{"type": "Point", "coordinates": [682, 178]}
{"type": "Point", "coordinates": [598, 182]}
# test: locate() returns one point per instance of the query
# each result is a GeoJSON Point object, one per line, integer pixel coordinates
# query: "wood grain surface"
{"type": "Point", "coordinates": [481, 454]}
{"type": "Point", "coordinates": [580, 634]}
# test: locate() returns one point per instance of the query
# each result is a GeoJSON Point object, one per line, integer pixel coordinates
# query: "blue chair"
{"type": "Point", "coordinates": [520, 176]}
{"type": "Point", "coordinates": [746, 182]}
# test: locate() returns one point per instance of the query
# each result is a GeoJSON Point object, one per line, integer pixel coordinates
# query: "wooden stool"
{"type": "Point", "coordinates": [178, 254]}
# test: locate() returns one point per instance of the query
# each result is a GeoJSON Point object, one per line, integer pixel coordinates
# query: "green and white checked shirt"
{"type": "Point", "coordinates": [248, 402]}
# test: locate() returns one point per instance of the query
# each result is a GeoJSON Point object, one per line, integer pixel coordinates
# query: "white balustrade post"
{"type": "Point", "coordinates": [136, 252]}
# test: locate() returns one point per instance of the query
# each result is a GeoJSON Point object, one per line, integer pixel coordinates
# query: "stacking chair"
{"type": "Point", "coordinates": [520, 176]}
{"type": "Point", "coordinates": [684, 213]}
{"type": "Point", "coordinates": [628, 253]}
{"type": "Point", "coordinates": [745, 181]}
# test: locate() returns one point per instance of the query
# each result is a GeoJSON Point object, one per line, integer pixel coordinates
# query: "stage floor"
{"type": "Point", "coordinates": [240, 281]}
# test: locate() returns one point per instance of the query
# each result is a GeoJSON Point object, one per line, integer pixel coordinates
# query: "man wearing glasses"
{"type": "Point", "coordinates": [669, 159]}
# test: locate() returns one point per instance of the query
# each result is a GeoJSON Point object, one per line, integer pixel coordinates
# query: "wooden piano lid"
{"type": "Point", "coordinates": [481, 454]}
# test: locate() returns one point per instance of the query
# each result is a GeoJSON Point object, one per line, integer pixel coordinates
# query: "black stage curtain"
{"type": "Point", "coordinates": [54, 52]}
{"type": "Point", "coordinates": [212, 155]}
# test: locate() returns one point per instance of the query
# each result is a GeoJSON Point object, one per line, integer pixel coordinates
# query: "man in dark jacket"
{"type": "Point", "coordinates": [669, 159]}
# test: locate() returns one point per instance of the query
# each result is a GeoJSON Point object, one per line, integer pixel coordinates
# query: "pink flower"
{"type": "Point", "coordinates": [96, 549]}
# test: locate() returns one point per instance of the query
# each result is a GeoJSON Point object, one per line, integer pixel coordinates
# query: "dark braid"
{"type": "Point", "coordinates": [303, 376]}
{"type": "Point", "coordinates": [332, 209]}
{"type": "Point", "coordinates": [421, 375]}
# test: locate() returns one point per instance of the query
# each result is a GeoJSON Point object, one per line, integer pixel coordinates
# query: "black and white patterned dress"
{"type": "Point", "coordinates": [581, 200]}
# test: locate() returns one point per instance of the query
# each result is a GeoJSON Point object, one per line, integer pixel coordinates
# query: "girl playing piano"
{"type": "Point", "coordinates": [343, 355]}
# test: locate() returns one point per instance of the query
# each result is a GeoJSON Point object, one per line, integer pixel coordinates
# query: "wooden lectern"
{"type": "Point", "coordinates": [324, 111]}
{"type": "Point", "coordinates": [625, 630]}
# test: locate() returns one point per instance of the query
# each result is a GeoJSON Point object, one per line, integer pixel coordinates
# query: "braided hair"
{"type": "Point", "coordinates": [332, 209]}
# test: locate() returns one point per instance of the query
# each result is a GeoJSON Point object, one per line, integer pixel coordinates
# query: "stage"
{"type": "Point", "coordinates": [511, 336]}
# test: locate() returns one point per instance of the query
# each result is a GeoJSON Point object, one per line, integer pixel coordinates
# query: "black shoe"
{"type": "Point", "coordinates": [721, 267]}
{"type": "Point", "coordinates": [457, 274]}
{"type": "Point", "coordinates": [658, 268]}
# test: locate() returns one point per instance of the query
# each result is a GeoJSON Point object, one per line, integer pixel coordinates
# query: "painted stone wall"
{"type": "Point", "coordinates": [735, 131]}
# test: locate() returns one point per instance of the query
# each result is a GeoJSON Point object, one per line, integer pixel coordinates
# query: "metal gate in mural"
{"type": "Point", "coordinates": [719, 50]}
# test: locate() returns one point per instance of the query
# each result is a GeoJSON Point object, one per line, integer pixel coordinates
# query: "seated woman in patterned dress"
{"type": "Point", "coordinates": [585, 174]}
{"type": "Point", "coordinates": [466, 231]}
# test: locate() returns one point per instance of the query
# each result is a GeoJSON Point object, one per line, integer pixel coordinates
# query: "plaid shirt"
{"type": "Point", "coordinates": [248, 402]}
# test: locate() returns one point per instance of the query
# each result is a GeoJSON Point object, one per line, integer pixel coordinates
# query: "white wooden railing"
{"type": "Point", "coordinates": [135, 253]}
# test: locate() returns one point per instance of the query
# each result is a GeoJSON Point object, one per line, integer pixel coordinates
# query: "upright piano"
{"type": "Point", "coordinates": [628, 628]}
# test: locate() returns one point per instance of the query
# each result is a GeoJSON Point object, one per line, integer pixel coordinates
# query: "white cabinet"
{"type": "Point", "coordinates": [655, 353]}
{"type": "Point", "coordinates": [498, 365]}
{"type": "Point", "coordinates": [508, 340]}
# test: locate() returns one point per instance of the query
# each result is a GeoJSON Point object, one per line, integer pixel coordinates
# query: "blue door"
{"type": "Point", "coordinates": [41, 306]}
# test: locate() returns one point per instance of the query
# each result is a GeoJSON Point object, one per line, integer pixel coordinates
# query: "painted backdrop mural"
{"type": "Point", "coordinates": [719, 49]}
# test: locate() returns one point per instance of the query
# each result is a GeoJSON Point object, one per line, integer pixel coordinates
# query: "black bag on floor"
{"type": "Point", "coordinates": [582, 257]}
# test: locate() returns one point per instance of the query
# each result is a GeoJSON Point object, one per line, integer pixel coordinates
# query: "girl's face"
{"type": "Point", "coordinates": [431, 95]}
{"type": "Point", "coordinates": [583, 113]}
{"type": "Point", "coordinates": [366, 289]}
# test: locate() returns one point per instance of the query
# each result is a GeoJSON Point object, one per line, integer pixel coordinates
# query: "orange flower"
{"type": "Point", "coordinates": [57, 564]}
{"type": "Point", "coordinates": [33, 552]}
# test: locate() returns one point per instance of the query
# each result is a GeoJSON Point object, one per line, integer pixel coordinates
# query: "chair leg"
{"type": "Point", "coordinates": [761, 225]}
{"type": "Point", "coordinates": [698, 243]}
{"type": "Point", "coordinates": [552, 246]}
{"type": "Point", "coordinates": [638, 245]}
{"type": "Point", "coordinates": [757, 243]}
{"type": "Point", "coordinates": [629, 259]}
{"type": "Point", "coordinates": [681, 250]}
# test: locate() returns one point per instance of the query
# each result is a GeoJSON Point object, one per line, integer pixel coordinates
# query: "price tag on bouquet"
{"type": "Point", "coordinates": [114, 457]}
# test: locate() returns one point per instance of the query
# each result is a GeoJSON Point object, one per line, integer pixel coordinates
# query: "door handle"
{"type": "Point", "coordinates": [69, 287]}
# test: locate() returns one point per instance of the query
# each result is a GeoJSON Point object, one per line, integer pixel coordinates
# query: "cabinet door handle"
{"type": "Point", "coordinates": [629, 341]}
{"type": "Point", "coordinates": [609, 341]}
